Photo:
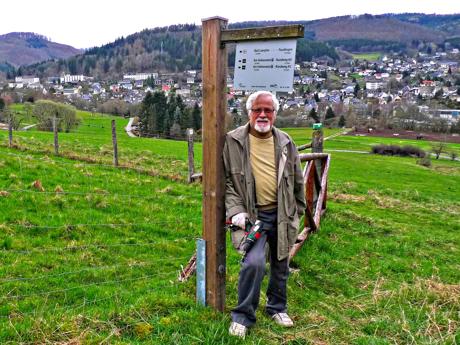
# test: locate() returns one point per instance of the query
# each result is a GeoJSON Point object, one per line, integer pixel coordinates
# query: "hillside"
{"type": "Point", "coordinates": [25, 48]}
{"type": "Point", "coordinates": [373, 28]}
{"type": "Point", "coordinates": [178, 47]}
{"type": "Point", "coordinates": [449, 24]}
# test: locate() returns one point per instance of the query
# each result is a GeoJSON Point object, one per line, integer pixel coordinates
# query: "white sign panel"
{"type": "Point", "coordinates": [265, 65]}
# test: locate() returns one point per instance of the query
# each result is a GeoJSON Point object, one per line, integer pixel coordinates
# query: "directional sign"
{"type": "Point", "coordinates": [265, 65]}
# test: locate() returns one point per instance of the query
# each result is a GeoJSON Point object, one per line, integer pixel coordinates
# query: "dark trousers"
{"type": "Point", "coordinates": [252, 273]}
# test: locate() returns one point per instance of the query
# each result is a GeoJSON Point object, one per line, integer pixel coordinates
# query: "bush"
{"type": "Point", "coordinates": [44, 111]}
{"type": "Point", "coordinates": [425, 161]}
{"type": "Point", "coordinates": [395, 150]}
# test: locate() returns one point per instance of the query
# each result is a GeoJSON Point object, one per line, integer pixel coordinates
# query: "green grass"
{"type": "Point", "coordinates": [94, 255]}
{"type": "Point", "coordinates": [367, 56]}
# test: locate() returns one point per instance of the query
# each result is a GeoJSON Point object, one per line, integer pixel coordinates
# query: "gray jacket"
{"type": "Point", "coordinates": [240, 186]}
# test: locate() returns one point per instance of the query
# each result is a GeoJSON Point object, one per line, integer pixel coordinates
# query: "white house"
{"type": "Point", "coordinates": [69, 78]}
{"type": "Point", "coordinates": [141, 76]}
{"type": "Point", "coordinates": [26, 80]}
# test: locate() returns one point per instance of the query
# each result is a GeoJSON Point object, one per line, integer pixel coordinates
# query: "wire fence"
{"type": "Point", "coordinates": [82, 235]}
{"type": "Point", "coordinates": [101, 147]}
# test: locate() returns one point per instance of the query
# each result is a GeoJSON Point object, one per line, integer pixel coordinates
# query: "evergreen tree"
{"type": "Point", "coordinates": [146, 114]}
{"type": "Point", "coordinates": [237, 120]}
{"type": "Point", "coordinates": [341, 121]}
{"type": "Point", "coordinates": [330, 113]}
{"type": "Point", "coordinates": [153, 112]}
{"type": "Point", "coordinates": [196, 116]}
{"type": "Point", "coordinates": [314, 115]}
{"type": "Point", "coordinates": [357, 88]}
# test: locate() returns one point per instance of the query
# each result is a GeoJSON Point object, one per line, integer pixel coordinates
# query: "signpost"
{"type": "Point", "coordinates": [214, 67]}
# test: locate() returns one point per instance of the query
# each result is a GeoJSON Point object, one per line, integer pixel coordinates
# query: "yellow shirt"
{"type": "Point", "coordinates": [262, 153]}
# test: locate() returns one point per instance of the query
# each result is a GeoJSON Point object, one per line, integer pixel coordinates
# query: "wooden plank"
{"type": "Point", "coordinates": [296, 247]}
{"type": "Point", "coordinates": [322, 194]}
{"type": "Point", "coordinates": [309, 191]}
{"type": "Point", "coordinates": [265, 33]}
{"type": "Point", "coordinates": [305, 157]}
{"type": "Point", "coordinates": [214, 69]}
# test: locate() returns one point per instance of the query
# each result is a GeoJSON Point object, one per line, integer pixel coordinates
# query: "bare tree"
{"type": "Point", "coordinates": [438, 148]}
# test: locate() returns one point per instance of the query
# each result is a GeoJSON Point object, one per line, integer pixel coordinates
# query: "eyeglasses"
{"type": "Point", "coordinates": [267, 111]}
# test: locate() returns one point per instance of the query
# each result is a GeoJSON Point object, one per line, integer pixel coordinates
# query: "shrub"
{"type": "Point", "coordinates": [425, 161]}
{"type": "Point", "coordinates": [44, 111]}
{"type": "Point", "coordinates": [395, 150]}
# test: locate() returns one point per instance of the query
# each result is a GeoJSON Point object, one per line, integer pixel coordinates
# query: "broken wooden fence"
{"type": "Point", "coordinates": [315, 175]}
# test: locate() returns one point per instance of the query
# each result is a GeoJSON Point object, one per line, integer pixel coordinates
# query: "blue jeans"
{"type": "Point", "coordinates": [252, 273]}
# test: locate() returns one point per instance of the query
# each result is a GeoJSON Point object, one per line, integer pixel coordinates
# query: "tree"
{"type": "Point", "coordinates": [237, 121]}
{"type": "Point", "coordinates": [196, 116]}
{"type": "Point", "coordinates": [44, 111]}
{"type": "Point", "coordinates": [2, 107]}
{"type": "Point", "coordinates": [438, 148]}
{"type": "Point", "coordinates": [314, 115]}
{"type": "Point", "coordinates": [330, 113]}
{"type": "Point", "coordinates": [356, 90]}
{"type": "Point", "coordinates": [341, 121]}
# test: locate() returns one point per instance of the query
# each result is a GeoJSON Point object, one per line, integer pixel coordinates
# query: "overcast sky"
{"type": "Point", "coordinates": [88, 23]}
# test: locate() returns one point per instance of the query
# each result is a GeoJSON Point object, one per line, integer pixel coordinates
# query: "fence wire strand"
{"type": "Point", "coordinates": [96, 268]}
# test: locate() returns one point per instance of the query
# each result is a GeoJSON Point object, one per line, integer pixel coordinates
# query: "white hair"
{"type": "Point", "coordinates": [253, 97]}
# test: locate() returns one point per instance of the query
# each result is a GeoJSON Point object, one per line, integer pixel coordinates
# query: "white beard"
{"type": "Point", "coordinates": [263, 129]}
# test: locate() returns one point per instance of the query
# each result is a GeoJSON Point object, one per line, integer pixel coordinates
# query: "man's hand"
{"type": "Point", "coordinates": [239, 220]}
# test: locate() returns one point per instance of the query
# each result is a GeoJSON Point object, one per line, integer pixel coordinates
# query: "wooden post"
{"type": "Point", "coordinates": [317, 141]}
{"type": "Point", "coordinates": [317, 147]}
{"type": "Point", "coordinates": [56, 138]}
{"type": "Point", "coordinates": [214, 66]}
{"type": "Point", "coordinates": [191, 157]}
{"type": "Point", "coordinates": [115, 145]}
{"type": "Point", "coordinates": [10, 130]}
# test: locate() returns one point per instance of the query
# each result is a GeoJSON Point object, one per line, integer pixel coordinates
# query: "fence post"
{"type": "Point", "coordinates": [317, 147]}
{"type": "Point", "coordinates": [10, 130]}
{"type": "Point", "coordinates": [317, 139]}
{"type": "Point", "coordinates": [214, 66]}
{"type": "Point", "coordinates": [56, 139]}
{"type": "Point", "coordinates": [115, 145]}
{"type": "Point", "coordinates": [191, 157]}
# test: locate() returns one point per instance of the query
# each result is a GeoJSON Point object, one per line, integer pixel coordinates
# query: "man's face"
{"type": "Point", "coordinates": [262, 114]}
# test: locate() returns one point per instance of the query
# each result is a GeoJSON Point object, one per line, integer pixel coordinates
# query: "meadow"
{"type": "Point", "coordinates": [91, 253]}
{"type": "Point", "coordinates": [367, 56]}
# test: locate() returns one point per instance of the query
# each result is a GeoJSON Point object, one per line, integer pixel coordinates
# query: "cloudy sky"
{"type": "Point", "coordinates": [88, 23]}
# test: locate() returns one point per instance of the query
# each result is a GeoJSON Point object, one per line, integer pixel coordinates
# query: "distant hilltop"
{"type": "Point", "coordinates": [178, 47]}
{"type": "Point", "coordinates": [25, 48]}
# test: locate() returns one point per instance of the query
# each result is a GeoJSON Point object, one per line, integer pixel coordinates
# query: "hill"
{"type": "Point", "coordinates": [178, 47]}
{"type": "Point", "coordinates": [25, 48]}
{"type": "Point", "coordinates": [168, 49]}
{"type": "Point", "coordinates": [373, 28]}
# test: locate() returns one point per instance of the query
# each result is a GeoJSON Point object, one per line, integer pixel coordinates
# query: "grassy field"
{"type": "Point", "coordinates": [367, 56]}
{"type": "Point", "coordinates": [91, 253]}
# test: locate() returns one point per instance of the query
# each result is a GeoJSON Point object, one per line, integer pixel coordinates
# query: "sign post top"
{"type": "Point", "coordinates": [215, 17]}
{"type": "Point", "coordinates": [264, 33]}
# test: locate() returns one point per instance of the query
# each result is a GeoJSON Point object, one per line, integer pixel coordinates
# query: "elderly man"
{"type": "Point", "coordinates": [263, 181]}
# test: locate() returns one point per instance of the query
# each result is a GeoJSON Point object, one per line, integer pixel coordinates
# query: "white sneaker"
{"type": "Point", "coordinates": [283, 319]}
{"type": "Point", "coordinates": [237, 329]}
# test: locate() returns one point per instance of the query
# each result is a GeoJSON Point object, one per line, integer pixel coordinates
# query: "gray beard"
{"type": "Point", "coordinates": [264, 129]}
